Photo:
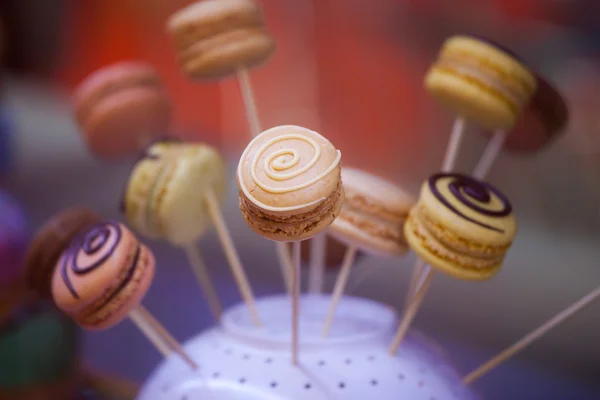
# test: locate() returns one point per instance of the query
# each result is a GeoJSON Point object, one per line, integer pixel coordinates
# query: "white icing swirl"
{"type": "Point", "coordinates": [278, 163]}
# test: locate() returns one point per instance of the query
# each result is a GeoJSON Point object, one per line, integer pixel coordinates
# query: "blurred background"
{"type": "Point", "coordinates": [352, 70]}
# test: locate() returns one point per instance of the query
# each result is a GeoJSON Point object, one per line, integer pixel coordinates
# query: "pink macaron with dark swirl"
{"type": "Point", "coordinates": [102, 275]}
{"type": "Point", "coordinates": [461, 226]}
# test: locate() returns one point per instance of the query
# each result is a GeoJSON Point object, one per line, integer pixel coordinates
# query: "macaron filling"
{"type": "Point", "coordinates": [290, 225]}
{"type": "Point", "coordinates": [430, 242]}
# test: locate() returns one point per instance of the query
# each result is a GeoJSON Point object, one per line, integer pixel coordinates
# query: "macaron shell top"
{"type": "Point", "coordinates": [480, 82]}
{"type": "Point", "coordinates": [380, 192]}
{"type": "Point", "coordinates": [178, 204]}
{"type": "Point", "coordinates": [472, 210]}
{"type": "Point", "coordinates": [205, 18]}
{"type": "Point", "coordinates": [96, 260]}
{"type": "Point", "coordinates": [289, 170]}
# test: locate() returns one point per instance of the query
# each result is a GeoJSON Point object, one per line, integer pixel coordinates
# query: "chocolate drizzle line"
{"type": "Point", "coordinates": [91, 242]}
{"type": "Point", "coordinates": [464, 187]}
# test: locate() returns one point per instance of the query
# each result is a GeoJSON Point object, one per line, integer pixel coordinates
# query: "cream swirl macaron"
{"type": "Point", "coordinates": [289, 181]}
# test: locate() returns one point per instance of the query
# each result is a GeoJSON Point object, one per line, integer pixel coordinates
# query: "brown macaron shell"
{"type": "Point", "coordinates": [48, 244]}
{"type": "Point", "coordinates": [541, 122]}
{"type": "Point", "coordinates": [214, 38]}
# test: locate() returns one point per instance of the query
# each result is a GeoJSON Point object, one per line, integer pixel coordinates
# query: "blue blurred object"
{"type": "Point", "coordinates": [14, 235]}
{"type": "Point", "coordinates": [5, 144]}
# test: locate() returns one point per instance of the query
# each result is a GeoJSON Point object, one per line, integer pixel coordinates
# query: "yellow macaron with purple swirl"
{"type": "Point", "coordinates": [289, 181]}
{"type": "Point", "coordinates": [461, 226]}
{"type": "Point", "coordinates": [481, 81]}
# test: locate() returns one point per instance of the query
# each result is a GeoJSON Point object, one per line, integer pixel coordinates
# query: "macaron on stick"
{"type": "Point", "coordinates": [532, 336]}
{"type": "Point", "coordinates": [289, 180]}
{"type": "Point", "coordinates": [121, 108]}
{"type": "Point", "coordinates": [371, 220]}
{"type": "Point", "coordinates": [460, 226]}
{"type": "Point", "coordinates": [102, 277]}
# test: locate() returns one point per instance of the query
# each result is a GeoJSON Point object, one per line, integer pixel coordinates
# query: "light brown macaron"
{"type": "Point", "coordinates": [373, 215]}
{"type": "Point", "coordinates": [50, 240]}
{"type": "Point", "coordinates": [289, 181]}
{"type": "Point", "coordinates": [215, 38]}
{"type": "Point", "coordinates": [121, 108]}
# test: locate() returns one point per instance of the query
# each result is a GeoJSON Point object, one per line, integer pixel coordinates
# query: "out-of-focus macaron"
{"type": "Point", "coordinates": [373, 215]}
{"type": "Point", "coordinates": [214, 38]}
{"type": "Point", "coordinates": [121, 108]}
{"type": "Point", "coordinates": [543, 119]}
{"type": "Point", "coordinates": [14, 235]}
{"type": "Point", "coordinates": [166, 191]}
{"type": "Point", "coordinates": [289, 181]}
{"type": "Point", "coordinates": [480, 81]}
{"type": "Point", "coordinates": [50, 240]}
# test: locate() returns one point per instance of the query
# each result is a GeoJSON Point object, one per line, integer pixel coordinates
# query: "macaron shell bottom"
{"type": "Point", "coordinates": [305, 225]}
{"type": "Point", "coordinates": [438, 256]}
{"type": "Point", "coordinates": [469, 100]}
{"type": "Point", "coordinates": [125, 122]}
{"type": "Point", "coordinates": [351, 235]}
{"type": "Point", "coordinates": [95, 317]}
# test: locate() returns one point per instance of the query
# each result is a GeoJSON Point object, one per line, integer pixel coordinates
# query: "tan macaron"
{"type": "Point", "coordinates": [214, 38]}
{"type": "Point", "coordinates": [289, 179]}
{"type": "Point", "coordinates": [373, 215]}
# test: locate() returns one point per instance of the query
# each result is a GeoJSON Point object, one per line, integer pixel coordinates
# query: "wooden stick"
{"type": "Point", "coordinates": [532, 336]}
{"type": "Point", "coordinates": [239, 274]}
{"type": "Point", "coordinates": [203, 278]}
{"type": "Point", "coordinates": [340, 285]}
{"type": "Point", "coordinates": [173, 344]}
{"type": "Point", "coordinates": [249, 101]}
{"type": "Point", "coordinates": [140, 318]}
{"type": "Point", "coordinates": [490, 154]}
{"type": "Point", "coordinates": [285, 264]}
{"type": "Point", "coordinates": [296, 303]}
{"type": "Point", "coordinates": [412, 310]}
{"type": "Point", "coordinates": [316, 270]}
{"type": "Point", "coordinates": [413, 285]}
{"type": "Point", "coordinates": [456, 135]}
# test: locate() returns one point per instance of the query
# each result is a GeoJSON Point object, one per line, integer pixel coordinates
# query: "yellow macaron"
{"type": "Point", "coordinates": [461, 226]}
{"type": "Point", "coordinates": [481, 82]}
{"type": "Point", "coordinates": [165, 195]}
{"type": "Point", "coordinates": [373, 215]}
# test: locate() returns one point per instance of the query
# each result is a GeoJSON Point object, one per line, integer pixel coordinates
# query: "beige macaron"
{"type": "Point", "coordinates": [214, 38]}
{"type": "Point", "coordinates": [289, 181]}
{"type": "Point", "coordinates": [166, 192]}
{"type": "Point", "coordinates": [373, 215]}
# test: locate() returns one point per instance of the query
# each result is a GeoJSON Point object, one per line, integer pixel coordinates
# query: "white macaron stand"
{"type": "Point", "coordinates": [238, 361]}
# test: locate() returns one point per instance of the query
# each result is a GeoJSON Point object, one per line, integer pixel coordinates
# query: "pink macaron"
{"type": "Point", "coordinates": [121, 108]}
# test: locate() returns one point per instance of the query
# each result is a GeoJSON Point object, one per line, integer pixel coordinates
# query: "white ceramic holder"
{"type": "Point", "coordinates": [239, 361]}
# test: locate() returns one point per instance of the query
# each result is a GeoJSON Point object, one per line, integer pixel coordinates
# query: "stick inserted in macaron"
{"type": "Point", "coordinates": [289, 180]}
{"type": "Point", "coordinates": [102, 277]}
